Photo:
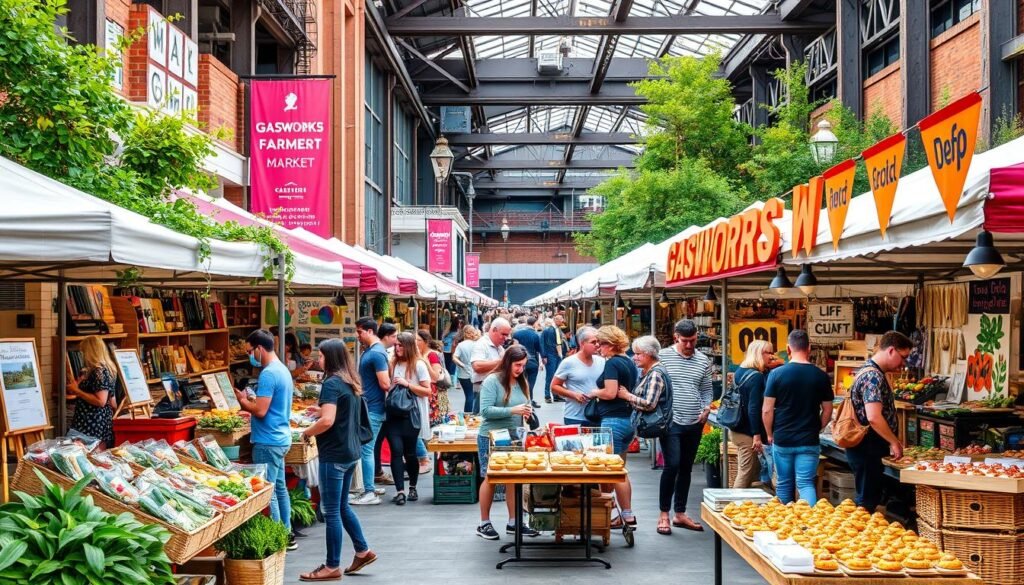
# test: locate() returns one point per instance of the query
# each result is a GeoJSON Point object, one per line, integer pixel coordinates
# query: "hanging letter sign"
{"type": "Point", "coordinates": [806, 213]}
{"type": "Point", "coordinates": [838, 191]}
{"type": "Point", "coordinates": [884, 161]}
{"type": "Point", "coordinates": [949, 136]}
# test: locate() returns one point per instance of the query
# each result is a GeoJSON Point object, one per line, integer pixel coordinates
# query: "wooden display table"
{"type": "Point", "coordinates": [771, 574]}
{"type": "Point", "coordinates": [467, 445]}
{"type": "Point", "coordinates": [585, 479]}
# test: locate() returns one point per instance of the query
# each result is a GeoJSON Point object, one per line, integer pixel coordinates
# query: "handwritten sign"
{"type": "Point", "coordinates": [213, 389]}
{"type": "Point", "coordinates": [226, 388]}
{"type": "Point", "coordinates": [22, 396]}
{"type": "Point", "coordinates": [133, 376]}
{"type": "Point", "coordinates": [989, 296]}
{"type": "Point", "coordinates": [830, 321]}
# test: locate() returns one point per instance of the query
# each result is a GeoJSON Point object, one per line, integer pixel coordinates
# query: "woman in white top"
{"type": "Point", "coordinates": [461, 356]}
{"type": "Point", "coordinates": [408, 370]}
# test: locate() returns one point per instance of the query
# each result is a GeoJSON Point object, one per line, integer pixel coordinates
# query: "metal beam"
{"type": "Point", "coordinates": [433, 26]}
{"type": "Point", "coordinates": [619, 12]}
{"type": "Point", "coordinates": [848, 55]}
{"type": "Point", "coordinates": [408, 8]}
{"type": "Point", "coordinates": [517, 165]}
{"type": "Point", "coordinates": [914, 70]}
{"type": "Point", "coordinates": [574, 183]}
{"type": "Point", "coordinates": [789, 9]}
{"type": "Point", "coordinates": [375, 28]}
{"type": "Point", "coordinates": [579, 121]}
{"type": "Point", "coordinates": [741, 55]}
{"type": "Point", "coordinates": [451, 78]}
{"type": "Point", "coordinates": [525, 70]}
{"type": "Point", "coordinates": [670, 40]}
{"type": "Point", "coordinates": [518, 94]}
{"type": "Point", "coordinates": [541, 138]}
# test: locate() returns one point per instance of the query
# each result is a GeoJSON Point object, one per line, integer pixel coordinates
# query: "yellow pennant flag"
{"type": "Point", "coordinates": [838, 192]}
{"type": "Point", "coordinates": [884, 161]}
{"type": "Point", "coordinates": [949, 137]}
{"type": "Point", "coordinates": [806, 212]}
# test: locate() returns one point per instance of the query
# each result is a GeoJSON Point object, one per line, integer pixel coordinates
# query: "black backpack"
{"type": "Point", "coordinates": [654, 424]}
{"type": "Point", "coordinates": [730, 409]}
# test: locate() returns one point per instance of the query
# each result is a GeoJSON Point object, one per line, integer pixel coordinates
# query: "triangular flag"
{"type": "Point", "coordinates": [806, 212]}
{"type": "Point", "coordinates": [838, 192]}
{"type": "Point", "coordinates": [949, 137]}
{"type": "Point", "coordinates": [884, 162]}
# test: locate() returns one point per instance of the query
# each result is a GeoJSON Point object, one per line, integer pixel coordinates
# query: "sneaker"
{"type": "Point", "coordinates": [292, 545]}
{"type": "Point", "coordinates": [352, 497]}
{"type": "Point", "coordinates": [359, 562]}
{"type": "Point", "coordinates": [487, 531]}
{"type": "Point", "coordinates": [296, 533]}
{"type": "Point", "coordinates": [548, 400]}
{"type": "Point", "coordinates": [384, 479]}
{"type": "Point", "coordinates": [399, 499]}
{"type": "Point", "coordinates": [527, 531]}
{"type": "Point", "coordinates": [413, 494]}
{"type": "Point", "coordinates": [366, 499]}
{"type": "Point", "coordinates": [379, 491]}
{"type": "Point", "coordinates": [319, 515]}
{"type": "Point", "coordinates": [534, 404]}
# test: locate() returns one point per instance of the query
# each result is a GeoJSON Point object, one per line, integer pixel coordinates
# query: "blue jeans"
{"type": "Point", "coordinates": [579, 421]}
{"type": "Point", "coordinates": [622, 432]}
{"type": "Point", "coordinates": [796, 467]}
{"type": "Point", "coordinates": [273, 457]}
{"type": "Point", "coordinates": [366, 454]}
{"type": "Point", "coordinates": [335, 480]}
{"type": "Point", "coordinates": [767, 465]}
{"type": "Point", "coordinates": [549, 374]}
{"type": "Point", "coordinates": [467, 389]}
{"type": "Point", "coordinates": [421, 449]}
{"type": "Point", "coordinates": [532, 369]}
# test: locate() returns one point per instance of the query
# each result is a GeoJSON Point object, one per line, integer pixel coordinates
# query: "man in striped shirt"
{"type": "Point", "coordinates": [690, 372]}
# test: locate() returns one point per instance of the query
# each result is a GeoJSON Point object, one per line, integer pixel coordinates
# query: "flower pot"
{"type": "Point", "coordinates": [268, 571]}
{"type": "Point", "coordinates": [712, 475]}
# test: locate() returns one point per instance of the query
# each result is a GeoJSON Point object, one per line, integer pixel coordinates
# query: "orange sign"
{"type": "Point", "coordinates": [884, 161]}
{"type": "Point", "coordinates": [838, 192]}
{"type": "Point", "coordinates": [744, 243]}
{"type": "Point", "coordinates": [949, 136]}
{"type": "Point", "coordinates": [806, 212]}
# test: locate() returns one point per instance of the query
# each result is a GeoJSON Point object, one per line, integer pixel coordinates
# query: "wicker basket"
{"type": "Point", "coordinates": [269, 571]}
{"type": "Point", "coordinates": [982, 510]}
{"type": "Point", "coordinates": [226, 439]}
{"type": "Point", "coordinates": [929, 505]}
{"type": "Point", "coordinates": [301, 453]}
{"type": "Point", "coordinates": [926, 530]}
{"type": "Point", "coordinates": [235, 516]}
{"type": "Point", "coordinates": [997, 558]}
{"type": "Point", "coordinates": [182, 545]}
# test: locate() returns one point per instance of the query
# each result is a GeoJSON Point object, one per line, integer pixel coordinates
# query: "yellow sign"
{"type": "Point", "coordinates": [741, 333]}
{"type": "Point", "coordinates": [884, 161]}
{"type": "Point", "coordinates": [949, 136]}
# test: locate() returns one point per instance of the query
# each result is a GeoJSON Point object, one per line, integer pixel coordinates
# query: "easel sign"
{"type": "Point", "coordinates": [227, 390]}
{"type": "Point", "coordinates": [21, 402]}
{"type": "Point", "coordinates": [136, 389]}
{"type": "Point", "coordinates": [213, 388]}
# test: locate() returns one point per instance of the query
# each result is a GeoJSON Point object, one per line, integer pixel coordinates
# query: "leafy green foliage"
{"type": "Point", "coordinates": [256, 539]}
{"type": "Point", "coordinates": [382, 306]}
{"type": "Point", "coordinates": [60, 117]}
{"type": "Point", "coordinates": [990, 332]}
{"type": "Point", "coordinates": [709, 448]}
{"type": "Point", "coordinates": [1009, 126]}
{"type": "Point", "coordinates": [302, 508]}
{"type": "Point", "coordinates": [61, 538]}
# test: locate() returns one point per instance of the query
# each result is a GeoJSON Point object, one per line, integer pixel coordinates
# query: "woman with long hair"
{"type": "Point", "coordinates": [337, 431]}
{"type": "Point", "coordinates": [95, 391]}
{"type": "Point", "coordinates": [408, 370]}
{"type": "Point", "coordinates": [504, 405]}
{"type": "Point", "coordinates": [293, 358]}
{"type": "Point", "coordinates": [748, 434]}
{"type": "Point", "coordinates": [616, 413]}
{"type": "Point", "coordinates": [463, 353]}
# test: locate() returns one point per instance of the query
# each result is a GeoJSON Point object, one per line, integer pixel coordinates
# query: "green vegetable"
{"type": "Point", "coordinates": [61, 538]}
{"type": "Point", "coordinates": [234, 488]}
{"type": "Point", "coordinates": [302, 508]}
{"type": "Point", "coordinates": [222, 424]}
{"type": "Point", "coordinates": [256, 539]}
{"type": "Point", "coordinates": [708, 451]}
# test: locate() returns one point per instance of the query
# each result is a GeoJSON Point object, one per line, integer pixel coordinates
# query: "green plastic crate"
{"type": "Point", "coordinates": [455, 489]}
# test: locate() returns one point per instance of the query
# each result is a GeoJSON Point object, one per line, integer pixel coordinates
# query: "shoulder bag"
{"type": "Point", "coordinates": [365, 432]}
{"type": "Point", "coordinates": [847, 431]}
{"type": "Point", "coordinates": [654, 424]}
{"type": "Point", "coordinates": [400, 402]}
{"type": "Point", "coordinates": [730, 409]}
{"type": "Point", "coordinates": [445, 382]}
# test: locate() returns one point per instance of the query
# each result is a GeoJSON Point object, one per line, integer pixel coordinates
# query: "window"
{"type": "Point", "coordinates": [947, 13]}
{"type": "Point", "coordinates": [376, 152]}
{"type": "Point", "coordinates": [825, 89]}
{"type": "Point", "coordinates": [404, 131]}
{"type": "Point", "coordinates": [881, 56]}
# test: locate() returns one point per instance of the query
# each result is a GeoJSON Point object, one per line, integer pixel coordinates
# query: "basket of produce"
{"type": "Point", "coordinates": [920, 391]}
{"type": "Point", "coordinates": [227, 428]}
{"type": "Point", "coordinates": [245, 489]}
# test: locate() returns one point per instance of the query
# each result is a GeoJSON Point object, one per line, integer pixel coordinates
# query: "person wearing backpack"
{"type": "Point", "coordinates": [747, 434]}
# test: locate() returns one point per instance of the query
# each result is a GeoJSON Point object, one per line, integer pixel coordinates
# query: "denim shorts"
{"type": "Point", "coordinates": [483, 448]}
{"type": "Point", "coordinates": [622, 432]}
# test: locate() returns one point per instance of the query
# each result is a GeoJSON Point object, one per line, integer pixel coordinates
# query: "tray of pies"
{"type": "Point", "coordinates": [598, 462]}
{"type": "Point", "coordinates": [517, 462]}
{"type": "Point", "coordinates": [565, 461]}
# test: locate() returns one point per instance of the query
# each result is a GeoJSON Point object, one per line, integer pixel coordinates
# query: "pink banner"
{"type": "Point", "coordinates": [473, 270]}
{"type": "Point", "coordinates": [439, 245]}
{"type": "Point", "coordinates": [290, 152]}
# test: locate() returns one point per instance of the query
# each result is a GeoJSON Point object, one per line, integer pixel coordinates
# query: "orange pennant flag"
{"type": "Point", "coordinates": [838, 192]}
{"type": "Point", "coordinates": [884, 162]}
{"type": "Point", "coordinates": [949, 137]}
{"type": "Point", "coordinates": [806, 212]}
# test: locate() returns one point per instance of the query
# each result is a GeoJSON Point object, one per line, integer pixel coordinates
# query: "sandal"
{"type": "Point", "coordinates": [413, 495]}
{"type": "Point", "coordinates": [617, 523]}
{"type": "Point", "coordinates": [688, 524]}
{"type": "Point", "coordinates": [665, 529]}
{"type": "Point", "coordinates": [322, 573]}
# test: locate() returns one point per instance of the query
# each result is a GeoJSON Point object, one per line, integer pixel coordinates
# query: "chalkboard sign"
{"type": "Point", "coordinates": [989, 296]}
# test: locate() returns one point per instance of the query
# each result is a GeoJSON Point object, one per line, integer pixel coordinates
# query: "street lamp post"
{"type": "Point", "coordinates": [470, 196]}
{"type": "Point", "coordinates": [441, 159]}
{"type": "Point", "coordinates": [824, 143]}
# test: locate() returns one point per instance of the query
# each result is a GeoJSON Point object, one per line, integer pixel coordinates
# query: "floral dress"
{"type": "Point", "coordinates": [439, 405]}
{"type": "Point", "coordinates": [96, 421]}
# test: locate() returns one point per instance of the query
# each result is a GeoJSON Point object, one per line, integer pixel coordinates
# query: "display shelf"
{"type": "Point", "coordinates": [190, 375]}
{"type": "Point", "coordinates": [76, 338]}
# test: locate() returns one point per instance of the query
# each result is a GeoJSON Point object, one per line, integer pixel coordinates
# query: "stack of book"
{"type": "Point", "coordinates": [178, 311]}
{"type": "Point", "coordinates": [88, 310]}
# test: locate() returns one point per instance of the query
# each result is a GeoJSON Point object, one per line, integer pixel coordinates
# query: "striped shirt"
{"type": "Point", "coordinates": [691, 384]}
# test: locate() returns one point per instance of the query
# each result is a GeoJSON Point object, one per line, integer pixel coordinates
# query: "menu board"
{"type": "Point", "coordinates": [22, 396]}
{"type": "Point", "coordinates": [134, 377]}
{"type": "Point", "coordinates": [228, 391]}
{"type": "Point", "coordinates": [213, 388]}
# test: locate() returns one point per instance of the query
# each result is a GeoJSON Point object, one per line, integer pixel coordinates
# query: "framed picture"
{"type": "Point", "coordinates": [21, 398]}
{"type": "Point", "coordinates": [958, 383]}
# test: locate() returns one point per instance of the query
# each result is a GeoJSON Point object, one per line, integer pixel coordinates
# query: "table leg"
{"type": "Point", "coordinates": [718, 559]}
{"type": "Point", "coordinates": [519, 519]}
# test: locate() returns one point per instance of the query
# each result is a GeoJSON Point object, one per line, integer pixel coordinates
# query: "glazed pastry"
{"type": "Point", "coordinates": [826, 562]}
{"type": "Point", "coordinates": [917, 560]}
{"type": "Point", "coordinates": [858, 563]}
{"type": "Point", "coordinates": [949, 562]}
{"type": "Point", "coordinates": [888, 563]}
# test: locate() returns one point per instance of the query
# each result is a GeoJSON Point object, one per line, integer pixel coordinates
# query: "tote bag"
{"type": "Point", "coordinates": [847, 431]}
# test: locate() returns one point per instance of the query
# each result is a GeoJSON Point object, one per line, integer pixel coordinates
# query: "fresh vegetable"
{"type": "Point", "coordinates": [256, 539]}
{"type": "Point", "coordinates": [222, 421]}
{"type": "Point", "coordinates": [302, 508]}
{"type": "Point", "coordinates": [72, 461]}
{"type": "Point", "coordinates": [213, 454]}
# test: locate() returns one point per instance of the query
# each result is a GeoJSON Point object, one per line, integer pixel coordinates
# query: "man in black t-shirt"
{"type": "Point", "coordinates": [797, 405]}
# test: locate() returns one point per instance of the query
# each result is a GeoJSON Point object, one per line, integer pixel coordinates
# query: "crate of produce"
{"type": "Point", "coordinates": [455, 489]}
{"type": "Point", "coordinates": [997, 558]}
{"type": "Point", "coordinates": [301, 453]}
{"type": "Point", "coordinates": [929, 505]}
{"type": "Point", "coordinates": [926, 530]}
{"type": "Point", "coordinates": [982, 510]}
{"type": "Point", "coordinates": [247, 508]}
{"type": "Point", "coordinates": [182, 545]}
{"type": "Point", "coordinates": [569, 521]}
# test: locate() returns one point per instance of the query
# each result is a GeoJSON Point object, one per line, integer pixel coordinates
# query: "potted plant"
{"type": "Point", "coordinates": [61, 537]}
{"type": "Point", "coordinates": [708, 453]}
{"type": "Point", "coordinates": [303, 514]}
{"type": "Point", "coordinates": [255, 552]}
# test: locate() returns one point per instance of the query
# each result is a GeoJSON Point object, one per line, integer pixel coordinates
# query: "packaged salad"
{"type": "Point", "coordinates": [187, 449]}
{"type": "Point", "coordinates": [109, 461]}
{"type": "Point", "coordinates": [213, 454]}
{"type": "Point", "coordinates": [139, 456]}
{"type": "Point", "coordinates": [39, 452]}
{"type": "Point", "coordinates": [72, 461]}
{"type": "Point", "coordinates": [89, 443]}
{"type": "Point", "coordinates": [162, 451]}
{"type": "Point", "coordinates": [158, 497]}
{"type": "Point", "coordinates": [116, 486]}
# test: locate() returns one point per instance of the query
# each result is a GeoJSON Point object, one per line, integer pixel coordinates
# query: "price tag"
{"type": "Point", "coordinates": [955, 459]}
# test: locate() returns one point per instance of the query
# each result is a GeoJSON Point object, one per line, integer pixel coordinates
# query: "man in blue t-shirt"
{"type": "Point", "coordinates": [270, 409]}
{"type": "Point", "coordinates": [376, 380]}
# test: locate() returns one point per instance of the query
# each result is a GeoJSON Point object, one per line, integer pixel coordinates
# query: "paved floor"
{"type": "Point", "coordinates": [429, 544]}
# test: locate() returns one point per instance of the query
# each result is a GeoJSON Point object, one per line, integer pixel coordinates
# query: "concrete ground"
{"type": "Point", "coordinates": [436, 544]}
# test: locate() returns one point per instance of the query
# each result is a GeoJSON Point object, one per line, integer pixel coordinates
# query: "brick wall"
{"type": "Point", "coordinates": [819, 114]}
{"type": "Point", "coordinates": [527, 248]}
{"type": "Point", "coordinates": [882, 93]}
{"type": "Point", "coordinates": [221, 100]}
{"type": "Point", "coordinates": [135, 70]}
{"type": "Point", "coordinates": [955, 61]}
{"type": "Point", "coordinates": [235, 195]}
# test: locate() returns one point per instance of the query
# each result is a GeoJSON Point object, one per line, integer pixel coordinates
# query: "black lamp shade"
{"type": "Point", "coordinates": [710, 295]}
{"type": "Point", "coordinates": [412, 303]}
{"type": "Point", "coordinates": [781, 282]}
{"type": "Point", "coordinates": [340, 300]}
{"type": "Point", "coordinates": [806, 282]}
{"type": "Point", "coordinates": [663, 301]}
{"type": "Point", "coordinates": [984, 260]}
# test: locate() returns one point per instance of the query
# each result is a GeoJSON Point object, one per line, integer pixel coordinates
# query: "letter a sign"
{"type": "Point", "coordinates": [838, 190]}
{"type": "Point", "coordinates": [949, 137]}
{"type": "Point", "coordinates": [884, 161]}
